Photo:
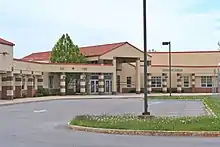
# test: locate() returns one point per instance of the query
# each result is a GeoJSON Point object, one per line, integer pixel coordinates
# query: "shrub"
{"type": "Point", "coordinates": [42, 92]}
{"type": "Point", "coordinates": [132, 91]}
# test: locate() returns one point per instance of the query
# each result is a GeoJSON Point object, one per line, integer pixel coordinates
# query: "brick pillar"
{"type": "Point", "coordinates": [62, 84]}
{"type": "Point", "coordinates": [164, 82]}
{"type": "Point", "coordinates": [7, 86]}
{"type": "Point", "coordinates": [149, 89]}
{"type": "Point", "coordinates": [40, 82]}
{"type": "Point", "coordinates": [18, 86]}
{"type": "Point", "coordinates": [179, 83]}
{"type": "Point", "coordinates": [30, 86]}
{"type": "Point", "coordinates": [193, 84]}
{"type": "Point", "coordinates": [83, 84]}
{"type": "Point", "coordinates": [101, 84]}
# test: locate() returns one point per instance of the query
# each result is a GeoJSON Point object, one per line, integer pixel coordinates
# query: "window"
{"type": "Point", "coordinates": [128, 81]}
{"type": "Point", "coordinates": [186, 81]}
{"type": "Point", "coordinates": [206, 81]}
{"type": "Point", "coordinates": [156, 82]}
{"type": "Point", "coordinates": [50, 81]}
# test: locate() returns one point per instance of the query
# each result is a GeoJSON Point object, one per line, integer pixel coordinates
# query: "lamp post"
{"type": "Point", "coordinates": [145, 58]}
{"type": "Point", "coordinates": [169, 43]}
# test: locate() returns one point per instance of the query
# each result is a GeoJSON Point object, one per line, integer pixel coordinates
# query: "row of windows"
{"type": "Point", "coordinates": [206, 81]}
{"type": "Point", "coordinates": [156, 82]}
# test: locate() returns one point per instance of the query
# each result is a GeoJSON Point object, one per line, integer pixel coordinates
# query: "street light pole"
{"type": "Point", "coordinates": [169, 43]}
{"type": "Point", "coordinates": [145, 58]}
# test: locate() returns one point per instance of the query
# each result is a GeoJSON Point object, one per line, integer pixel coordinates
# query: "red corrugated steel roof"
{"type": "Point", "coordinates": [40, 56]}
{"type": "Point", "coordinates": [88, 51]}
{"type": "Point", "coordinates": [99, 50]}
{"type": "Point", "coordinates": [5, 42]}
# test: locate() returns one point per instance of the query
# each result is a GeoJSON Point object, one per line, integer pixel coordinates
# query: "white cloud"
{"type": "Point", "coordinates": [39, 23]}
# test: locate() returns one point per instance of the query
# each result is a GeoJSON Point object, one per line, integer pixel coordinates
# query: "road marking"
{"type": "Point", "coordinates": [152, 103]}
{"type": "Point", "coordinates": [40, 111]}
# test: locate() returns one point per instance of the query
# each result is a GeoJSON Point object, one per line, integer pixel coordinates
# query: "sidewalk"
{"type": "Point", "coordinates": [72, 97]}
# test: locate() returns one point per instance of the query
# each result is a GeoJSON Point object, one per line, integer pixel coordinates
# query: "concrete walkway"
{"type": "Point", "coordinates": [119, 96]}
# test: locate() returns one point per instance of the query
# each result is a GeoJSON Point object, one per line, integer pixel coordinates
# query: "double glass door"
{"type": "Point", "coordinates": [108, 86]}
{"type": "Point", "coordinates": [94, 86]}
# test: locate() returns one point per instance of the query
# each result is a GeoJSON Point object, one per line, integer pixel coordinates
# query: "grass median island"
{"type": "Point", "coordinates": [132, 122]}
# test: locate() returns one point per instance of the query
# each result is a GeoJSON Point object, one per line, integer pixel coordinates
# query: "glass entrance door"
{"type": "Point", "coordinates": [94, 86]}
{"type": "Point", "coordinates": [108, 86]}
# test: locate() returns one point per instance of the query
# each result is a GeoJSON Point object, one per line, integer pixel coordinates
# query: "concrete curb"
{"type": "Point", "coordinates": [146, 132]}
{"type": "Point", "coordinates": [209, 109]}
{"type": "Point", "coordinates": [40, 99]}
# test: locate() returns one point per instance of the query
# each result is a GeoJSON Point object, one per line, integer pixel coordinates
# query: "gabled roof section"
{"type": "Point", "coordinates": [5, 42]}
{"type": "Point", "coordinates": [40, 56]}
{"type": "Point", "coordinates": [99, 50]}
{"type": "Point", "coordinates": [89, 51]}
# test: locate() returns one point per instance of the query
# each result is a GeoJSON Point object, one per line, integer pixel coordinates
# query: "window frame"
{"type": "Point", "coordinates": [157, 83]}
{"type": "Point", "coordinates": [129, 82]}
{"type": "Point", "coordinates": [206, 81]}
{"type": "Point", "coordinates": [186, 83]}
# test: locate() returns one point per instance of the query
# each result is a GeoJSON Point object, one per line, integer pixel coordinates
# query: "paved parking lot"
{"type": "Point", "coordinates": [177, 108]}
{"type": "Point", "coordinates": [43, 124]}
{"type": "Point", "coordinates": [158, 107]}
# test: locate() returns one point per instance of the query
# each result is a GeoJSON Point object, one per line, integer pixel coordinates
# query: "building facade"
{"type": "Point", "coordinates": [111, 69]}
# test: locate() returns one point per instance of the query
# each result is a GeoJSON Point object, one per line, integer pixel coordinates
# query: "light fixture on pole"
{"type": "Point", "coordinates": [169, 43]}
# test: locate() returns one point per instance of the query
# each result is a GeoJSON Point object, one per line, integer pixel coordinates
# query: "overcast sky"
{"type": "Point", "coordinates": [35, 25]}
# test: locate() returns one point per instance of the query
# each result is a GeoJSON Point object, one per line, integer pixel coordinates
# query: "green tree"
{"type": "Point", "coordinates": [65, 51]}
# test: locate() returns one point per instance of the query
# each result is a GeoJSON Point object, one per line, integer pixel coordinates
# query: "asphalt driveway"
{"type": "Point", "coordinates": [43, 124]}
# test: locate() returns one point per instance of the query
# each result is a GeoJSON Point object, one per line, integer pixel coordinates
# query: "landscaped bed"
{"type": "Point", "coordinates": [132, 122]}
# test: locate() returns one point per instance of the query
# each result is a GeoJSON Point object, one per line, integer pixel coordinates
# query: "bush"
{"type": "Point", "coordinates": [54, 92]}
{"type": "Point", "coordinates": [42, 92]}
{"type": "Point", "coordinates": [132, 91]}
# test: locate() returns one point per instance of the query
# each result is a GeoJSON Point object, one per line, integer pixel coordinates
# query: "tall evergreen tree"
{"type": "Point", "coordinates": [65, 51]}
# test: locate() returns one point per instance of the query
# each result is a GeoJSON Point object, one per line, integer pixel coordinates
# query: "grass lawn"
{"type": "Point", "coordinates": [131, 122]}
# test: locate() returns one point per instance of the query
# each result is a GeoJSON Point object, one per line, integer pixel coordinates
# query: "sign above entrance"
{"type": "Point", "coordinates": [173, 70]}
